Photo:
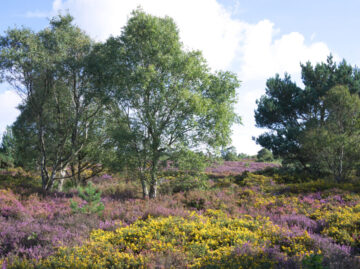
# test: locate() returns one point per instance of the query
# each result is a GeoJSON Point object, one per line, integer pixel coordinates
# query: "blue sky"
{"type": "Point", "coordinates": [254, 39]}
{"type": "Point", "coordinates": [332, 21]}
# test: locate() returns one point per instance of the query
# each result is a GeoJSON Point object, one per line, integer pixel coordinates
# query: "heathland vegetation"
{"type": "Point", "coordinates": [121, 157]}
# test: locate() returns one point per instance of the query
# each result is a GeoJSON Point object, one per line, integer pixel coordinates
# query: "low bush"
{"type": "Point", "coordinates": [341, 223]}
{"type": "Point", "coordinates": [91, 201]}
{"type": "Point", "coordinates": [120, 190]}
{"type": "Point", "coordinates": [201, 240]}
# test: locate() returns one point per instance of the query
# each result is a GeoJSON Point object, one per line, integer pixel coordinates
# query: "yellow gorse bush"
{"type": "Point", "coordinates": [343, 224]}
{"type": "Point", "coordinates": [204, 239]}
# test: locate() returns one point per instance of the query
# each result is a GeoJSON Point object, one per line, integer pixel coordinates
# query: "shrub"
{"type": "Point", "coordinates": [34, 239]}
{"type": "Point", "coordinates": [120, 191]}
{"type": "Point", "coordinates": [91, 198]}
{"type": "Point", "coordinates": [196, 203]}
{"type": "Point", "coordinates": [313, 261]}
{"type": "Point", "coordinates": [342, 224]}
{"type": "Point", "coordinates": [264, 155]}
{"type": "Point", "coordinates": [204, 241]}
{"type": "Point", "coordinates": [252, 180]}
{"type": "Point", "coordinates": [22, 183]}
{"type": "Point", "coordinates": [10, 206]}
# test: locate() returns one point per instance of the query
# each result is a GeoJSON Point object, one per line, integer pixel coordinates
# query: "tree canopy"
{"type": "Point", "coordinates": [286, 109]}
{"type": "Point", "coordinates": [164, 97]}
{"type": "Point", "coordinates": [136, 100]}
{"type": "Point", "coordinates": [59, 113]}
{"type": "Point", "coordinates": [334, 146]}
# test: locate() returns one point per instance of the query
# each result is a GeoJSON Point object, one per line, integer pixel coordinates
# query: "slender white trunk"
{"type": "Point", "coordinates": [62, 179]}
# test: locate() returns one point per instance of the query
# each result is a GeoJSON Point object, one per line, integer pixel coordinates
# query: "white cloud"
{"type": "Point", "coordinates": [203, 24]}
{"type": "Point", "coordinates": [264, 54]}
{"type": "Point", "coordinates": [253, 51]}
{"type": "Point", "coordinates": [9, 100]}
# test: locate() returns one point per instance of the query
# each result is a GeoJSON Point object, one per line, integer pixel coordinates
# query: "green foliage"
{"type": "Point", "coordinates": [165, 98]}
{"type": "Point", "coordinates": [334, 146]}
{"type": "Point", "coordinates": [57, 126]}
{"type": "Point", "coordinates": [286, 109]}
{"type": "Point", "coordinates": [313, 261]}
{"type": "Point", "coordinates": [143, 89]}
{"type": "Point", "coordinates": [20, 181]}
{"type": "Point", "coordinates": [264, 155]}
{"type": "Point", "coordinates": [188, 161]}
{"type": "Point", "coordinates": [92, 198]}
{"type": "Point", "coordinates": [229, 154]}
{"type": "Point", "coordinates": [7, 149]}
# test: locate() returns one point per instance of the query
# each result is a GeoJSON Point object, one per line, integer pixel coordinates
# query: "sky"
{"type": "Point", "coordinates": [255, 39]}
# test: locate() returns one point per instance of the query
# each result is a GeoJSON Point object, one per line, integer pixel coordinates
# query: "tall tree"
{"type": "Point", "coordinates": [165, 97]}
{"type": "Point", "coordinates": [7, 148]}
{"type": "Point", "coordinates": [59, 110]}
{"type": "Point", "coordinates": [286, 108]}
{"type": "Point", "coordinates": [334, 146]}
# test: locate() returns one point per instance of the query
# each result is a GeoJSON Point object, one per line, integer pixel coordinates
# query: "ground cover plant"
{"type": "Point", "coordinates": [252, 222]}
